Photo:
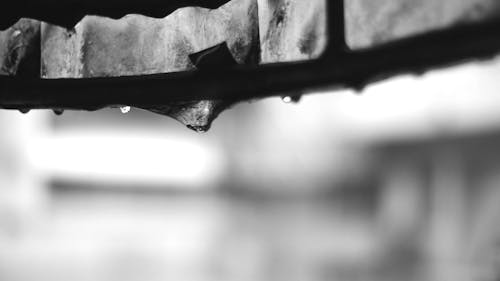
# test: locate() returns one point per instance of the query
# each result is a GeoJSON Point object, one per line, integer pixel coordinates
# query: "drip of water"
{"type": "Point", "coordinates": [58, 111]}
{"type": "Point", "coordinates": [291, 99]}
{"type": "Point", "coordinates": [199, 129]}
{"type": "Point", "coordinates": [125, 109]}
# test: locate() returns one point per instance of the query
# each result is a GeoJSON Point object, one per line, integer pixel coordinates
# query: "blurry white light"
{"type": "Point", "coordinates": [129, 158]}
{"type": "Point", "coordinates": [459, 99]}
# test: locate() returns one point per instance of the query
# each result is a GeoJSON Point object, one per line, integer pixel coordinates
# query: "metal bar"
{"type": "Point", "coordinates": [337, 45]}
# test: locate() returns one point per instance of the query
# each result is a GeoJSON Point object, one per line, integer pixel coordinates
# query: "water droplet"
{"type": "Point", "coordinates": [290, 99]}
{"type": "Point", "coordinates": [287, 99]}
{"type": "Point", "coordinates": [125, 109]}
{"type": "Point", "coordinates": [58, 111]}
{"type": "Point", "coordinates": [24, 110]}
{"type": "Point", "coordinates": [199, 129]}
{"type": "Point", "coordinates": [358, 88]}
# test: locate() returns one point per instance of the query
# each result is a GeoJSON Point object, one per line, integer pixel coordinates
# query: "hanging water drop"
{"type": "Point", "coordinates": [58, 111]}
{"type": "Point", "coordinates": [292, 99]}
{"type": "Point", "coordinates": [125, 109]}
{"type": "Point", "coordinates": [286, 99]}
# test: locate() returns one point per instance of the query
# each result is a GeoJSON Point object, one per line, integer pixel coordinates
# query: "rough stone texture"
{"type": "Point", "coordinates": [292, 30]}
{"type": "Point", "coordinates": [20, 49]}
{"type": "Point", "coordinates": [370, 22]}
{"type": "Point", "coordinates": [138, 45]}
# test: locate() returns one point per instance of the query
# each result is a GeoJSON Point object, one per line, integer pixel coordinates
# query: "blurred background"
{"type": "Point", "coordinates": [401, 182]}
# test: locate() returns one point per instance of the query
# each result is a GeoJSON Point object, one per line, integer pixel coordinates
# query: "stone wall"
{"type": "Point", "coordinates": [138, 45]}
